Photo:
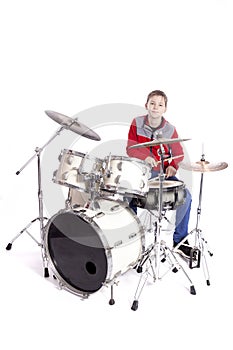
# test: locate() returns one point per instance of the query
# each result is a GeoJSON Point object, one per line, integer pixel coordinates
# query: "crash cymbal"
{"type": "Point", "coordinates": [73, 125]}
{"type": "Point", "coordinates": [159, 141]}
{"type": "Point", "coordinates": [204, 166]}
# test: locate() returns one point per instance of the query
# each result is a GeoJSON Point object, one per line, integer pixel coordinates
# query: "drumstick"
{"type": "Point", "coordinates": [170, 158]}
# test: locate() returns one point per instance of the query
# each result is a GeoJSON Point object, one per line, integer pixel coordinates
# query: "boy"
{"type": "Point", "coordinates": [147, 128]}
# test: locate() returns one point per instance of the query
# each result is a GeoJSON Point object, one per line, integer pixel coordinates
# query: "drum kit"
{"type": "Point", "coordinates": [97, 237]}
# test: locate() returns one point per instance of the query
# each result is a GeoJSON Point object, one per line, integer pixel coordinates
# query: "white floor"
{"type": "Point", "coordinates": [36, 314]}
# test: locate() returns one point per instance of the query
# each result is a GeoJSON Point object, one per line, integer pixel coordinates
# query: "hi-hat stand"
{"type": "Point", "coordinates": [41, 217]}
{"type": "Point", "coordinates": [158, 251]}
{"type": "Point", "coordinates": [201, 248]}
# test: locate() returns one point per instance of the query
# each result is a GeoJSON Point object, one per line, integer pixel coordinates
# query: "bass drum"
{"type": "Point", "coordinates": [87, 248]}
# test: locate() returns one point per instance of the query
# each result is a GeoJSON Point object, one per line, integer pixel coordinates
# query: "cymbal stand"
{"type": "Point", "coordinates": [200, 245]}
{"type": "Point", "coordinates": [41, 217]}
{"type": "Point", "coordinates": [158, 251]}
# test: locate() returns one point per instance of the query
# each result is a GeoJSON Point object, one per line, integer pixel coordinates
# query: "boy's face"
{"type": "Point", "coordinates": [156, 106]}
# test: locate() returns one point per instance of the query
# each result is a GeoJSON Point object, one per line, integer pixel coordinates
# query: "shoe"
{"type": "Point", "coordinates": [184, 249]}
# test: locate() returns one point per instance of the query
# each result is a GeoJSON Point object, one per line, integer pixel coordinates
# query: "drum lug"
{"type": "Point", "coordinates": [98, 215]}
{"type": "Point", "coordinates": [142, 184]}
{"type": "Point", "coordinates": [65, 175]}
{"type": "Point", "coordinates": [144, 171]}
{"type": "Point", "coordinates": [115, 207]}
{"type": "Point", "coordinates": [118, 243]}
{"type": "Point", "coordinates": [132, 235]}
{"type": "Point", "coordinates": [54, 175]}
{"type": "Point", "coordinates": [119, 166]}
{"type": "Point", "coordinates": [60, 156]}
{"type": "Point", "coordinates": [117, 179]}
{"type": "Point", "coordinates": [70, 160]}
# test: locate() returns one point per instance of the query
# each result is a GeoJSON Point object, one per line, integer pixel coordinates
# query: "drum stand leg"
{"type": "Point", "coordinates": [111, 301]}
{"type": "Point", "coordinates": [158, 251]}
{"type": "Point", "coordinates": [142, 281]}
{"type": "Point", "coordinates": [111, 283]}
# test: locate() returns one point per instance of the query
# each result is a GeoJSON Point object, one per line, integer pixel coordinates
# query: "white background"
{"type": "Point", "coordinates": [70, 56]}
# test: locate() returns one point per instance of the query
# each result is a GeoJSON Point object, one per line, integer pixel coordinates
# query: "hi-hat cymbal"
{"type": "Point", "coordinates": [204, 166]}
{"type": "Point", "coordinates": [73, 125]}
{"type": "Point", "coordinates": [159, 141]}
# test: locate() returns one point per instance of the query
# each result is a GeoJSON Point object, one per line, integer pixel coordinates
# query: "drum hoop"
{"type": "Point", "coordinates": [66, 184]}
{"type": "Point", "coordinates": [72, 152]}
{"type": "Point", "coordinates": [129, 159]}
{"type": "Point", "coordinates": [82, 155]}
{"type": "Point", "coordinates": [180, 184]}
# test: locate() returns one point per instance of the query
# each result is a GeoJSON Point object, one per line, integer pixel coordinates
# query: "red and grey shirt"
{"type": "Point", "coordinates": [140, 131]}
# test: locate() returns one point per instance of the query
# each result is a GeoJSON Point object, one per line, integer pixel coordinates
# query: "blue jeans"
{"type": "Point", "coordinates": [182, 212]}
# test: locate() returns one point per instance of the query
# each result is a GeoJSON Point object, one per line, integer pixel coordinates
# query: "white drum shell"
{"type": "Point", "coordinates": [127, 176]}
{"type": "Point", "coordinates": [74, 168]}
{"type": "Point", "coordinates": [121, 233]}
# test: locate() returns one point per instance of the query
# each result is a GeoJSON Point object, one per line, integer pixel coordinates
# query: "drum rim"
{"type": "Point", "coordinates": [131, 159]}
{"type": "Point", "coordinates": [83, 155]}
{"type": "Point", "coordinates": [123, 191]}
{"type": "Point", "coordinates": [66, 184]}
{"type": "Point", "coordinates": [178, 184]}
{"type": "Point", "coordinates": [70, 151]}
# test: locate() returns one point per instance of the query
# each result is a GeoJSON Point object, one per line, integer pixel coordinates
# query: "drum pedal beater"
{"type": "Point", "coordinates": [41, 217]}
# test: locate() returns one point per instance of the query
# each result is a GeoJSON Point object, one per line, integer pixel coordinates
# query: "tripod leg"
{"type": "Point", "coordinates": [9, 246]}
{"type": "Point", "coordinates": [179, 266]}
{"type": "Point", "coordinates": [140, 287]}
{"type": "Point", "coordinates": [144, 258]}
{"type": "Point", "coordinates": [206, 245]}
{"type": "Point", "coordinates": [202, 247]}
{"type": "Point", "coordinates": [45, 262]}
{"type": "Point", "coordinates": [204, 260]}
{"type": "Point", "coordinates": [25, 229]}
{"type": "Point", "coordinates": [205, 270]}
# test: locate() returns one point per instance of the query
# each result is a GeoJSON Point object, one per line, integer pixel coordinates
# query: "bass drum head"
{"type": "Point", "coordinates": [76, 251]}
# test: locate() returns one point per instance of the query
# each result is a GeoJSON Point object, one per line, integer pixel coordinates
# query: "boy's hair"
{"type": "Point", "coordinates": [157, 93]}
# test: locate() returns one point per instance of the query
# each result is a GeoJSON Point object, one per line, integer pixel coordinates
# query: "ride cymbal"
{"type": "Point", "coordinates": [73, 125]}
{"type": "Point", "coordinates": [159, 141]}
{"type": "Point", "coordinates": [203, 166]}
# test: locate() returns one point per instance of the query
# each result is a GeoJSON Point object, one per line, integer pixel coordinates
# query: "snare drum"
{"type": "Point", "coordinates": [90, 247]}
{"type": "Point", "coordinates": [74, 168]}
{"type": "Point", "coordinates": [174, 195]}
{"type": "Point", "coordinates": [126, 176]}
